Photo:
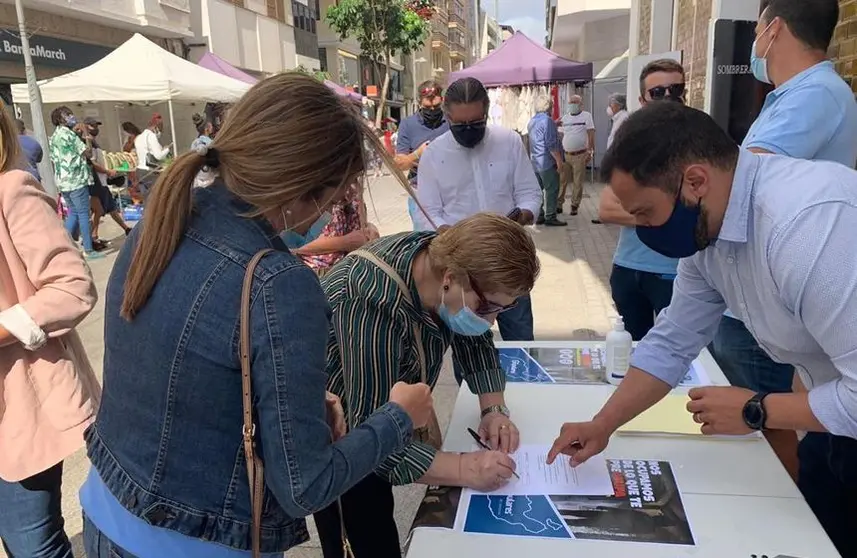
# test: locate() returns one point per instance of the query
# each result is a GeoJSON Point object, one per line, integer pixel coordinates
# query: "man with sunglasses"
{"type": "Point", "coordinates": [810, 114]}
{"type": "Point", "coordinates": [415, 134]}
{"type": "Point", "coordinates": [642, 279]}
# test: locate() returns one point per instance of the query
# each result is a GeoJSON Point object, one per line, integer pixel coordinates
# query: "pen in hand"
{"type": "Point", "coordinates": [484, 446]}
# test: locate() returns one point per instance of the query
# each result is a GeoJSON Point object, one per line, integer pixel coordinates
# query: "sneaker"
{"type": "Point", "coordinates": [540, 220]}
{"type": "Point", "coordinates": [574, 211]}
{"type": "Point", "coordinates": [94, 255]}
{"type": "Point", "coordinates": [559, 210]}
{"type": "Point", "coordinates": [555, 223]}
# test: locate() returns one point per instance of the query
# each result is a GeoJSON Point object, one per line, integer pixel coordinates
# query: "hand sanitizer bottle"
{"type": "Point", "coordinates": [619, 343]}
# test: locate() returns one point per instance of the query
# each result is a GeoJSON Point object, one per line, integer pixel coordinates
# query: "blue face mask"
{"type": "Point", "coordinates": [70, 121]}
{"type": "Point", "coordinates": [296, 240]}
{"type": "Point", "coordinates": [574, 108]}
{"type": "Point", "coordinates": [759, 64]}
{"type": "Point", "coordinates": [465, 321]}
{"type": "Point", "coordinates": [677, 237]}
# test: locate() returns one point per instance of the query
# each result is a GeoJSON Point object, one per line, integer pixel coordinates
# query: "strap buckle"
{"type": "Point", "coordinates": [249, 433]}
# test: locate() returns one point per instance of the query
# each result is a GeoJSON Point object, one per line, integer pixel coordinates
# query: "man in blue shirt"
{"type": "Point", "coordinates": [811, 114]}
{"type": "Point", "coordinates": [546, 155]}
{"type": "Point", "coordinates": [642, 280]}
{"type": "Point", "coordinates": [415, 133]}
{"type": "Point", "coordinates": [31, 148]}
{"type": "Point", "coordinates": [772, 239]}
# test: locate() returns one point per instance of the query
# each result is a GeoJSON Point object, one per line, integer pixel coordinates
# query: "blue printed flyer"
{"type": "Point", "coordinates": [646, 508]}
{"type": "Point", "coordinates": [541, 365]}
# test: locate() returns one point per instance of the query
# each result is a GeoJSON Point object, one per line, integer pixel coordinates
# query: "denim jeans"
{"type": "Point", "coordinates": [828, 481]}
{"type": "Point", "coordinates": [639, 297]}
{"type": "Point", "coordinates": [744, 363]}
{"type": "Point", "coordinates": [549, 181]}
{"type": "Point", "coordinates": [515, 325]}
{"type": "Point", "coordinates": [31, 522]}
{"type": "Point", "coordinates": [77, 202]}
{"type": "Point", "coordinates": [97, 545]}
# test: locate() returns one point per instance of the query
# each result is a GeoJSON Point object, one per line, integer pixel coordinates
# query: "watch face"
{"type": "Point", "coordinates": [753, 415]}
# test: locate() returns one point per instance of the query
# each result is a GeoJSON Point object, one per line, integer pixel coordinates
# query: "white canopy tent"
{"type": "Point", "coordinates": [138, 71]}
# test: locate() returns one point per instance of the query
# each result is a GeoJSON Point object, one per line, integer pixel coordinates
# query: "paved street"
{"type": "Point", "coordinates": [571, 300]}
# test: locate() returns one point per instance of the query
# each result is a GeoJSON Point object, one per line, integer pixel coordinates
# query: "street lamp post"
{"type": "Point", "coordinates": [45, 168]}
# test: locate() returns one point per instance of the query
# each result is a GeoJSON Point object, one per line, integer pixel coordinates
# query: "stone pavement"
{"type": "Point", "coordinates": [571, 300]}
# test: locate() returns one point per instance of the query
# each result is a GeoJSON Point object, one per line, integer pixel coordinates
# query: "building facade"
{"type": "Point", "coordinates": [589, 30]}
{"type": "Point", "coordinates": [66, 35]}
{"type": "Point", "coordinates": [261, 37]}
{"type": "Point", "coordinates": [843, 50]}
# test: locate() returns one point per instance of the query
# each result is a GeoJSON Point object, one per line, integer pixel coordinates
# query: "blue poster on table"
{"type": "Point", "coordinates": [542, 365]}
{"type": "Point", "coordinates": [645, 508]}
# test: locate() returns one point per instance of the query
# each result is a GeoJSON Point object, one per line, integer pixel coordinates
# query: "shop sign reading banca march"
{"type": "Point", "coordinates": [50, 51]}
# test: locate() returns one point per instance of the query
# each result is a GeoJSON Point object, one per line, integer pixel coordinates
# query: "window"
{"type": "Point", "coordinates": [305, 17]}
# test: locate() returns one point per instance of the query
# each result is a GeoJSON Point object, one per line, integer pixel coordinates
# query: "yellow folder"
{"type": "Point", "coordinates": [668, 416]}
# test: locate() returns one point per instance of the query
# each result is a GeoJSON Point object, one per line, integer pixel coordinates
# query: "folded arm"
{"type": "Point", "coordinates": [64, 290]}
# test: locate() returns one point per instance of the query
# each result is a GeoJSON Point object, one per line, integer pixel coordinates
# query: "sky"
{"type": "Point", "coordinates": [524, 15]}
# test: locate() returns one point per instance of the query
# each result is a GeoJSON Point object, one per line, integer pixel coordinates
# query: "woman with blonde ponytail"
{"type": "Point", "coordinates": [172, 455]}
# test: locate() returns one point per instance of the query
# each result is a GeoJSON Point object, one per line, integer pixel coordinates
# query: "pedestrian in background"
{"type": "Point", "coordinates": [578, 141]}
{"type": "Point", "coordinates": [50, 393]}
{"type": "Point", "coordinates": [415, 133]}
{"type": "Point", "coordinates": [73, 176]}
{"type": "Point", "coordinates": [348, 230]}
{"type": "Point", "coordinates": [101, 198]}
{"type": "Point", "coordinates": [476, 168]}
{"type": "Point", "coordinates": [617, 111]}
{"type": "Point", "coordinates": [32, 149]}
{"type": "Point", "coordinates": [150, 153]}
{"type": "Point", "coordinates": [204, 129]}
{"type": "Point", "coordinates": [173, 360]}
{"type": "Point", "coordinates": [546, 156]}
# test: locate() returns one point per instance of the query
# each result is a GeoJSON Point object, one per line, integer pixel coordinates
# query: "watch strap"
{"type": "Point", "coordinates": [502, 409]}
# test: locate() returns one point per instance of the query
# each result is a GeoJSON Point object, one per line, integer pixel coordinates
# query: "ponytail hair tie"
{"type": "Point", "coordinates": [210, 154]}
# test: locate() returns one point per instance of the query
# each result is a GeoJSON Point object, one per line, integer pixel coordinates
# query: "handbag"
{"type": "Point", "coordinates": [255, 468]}
{"type": "Point", "coordinates": [429, 434]}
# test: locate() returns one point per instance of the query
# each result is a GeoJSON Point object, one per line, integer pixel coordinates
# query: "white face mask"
{"type": "Point", "coordinates": [610, 112]}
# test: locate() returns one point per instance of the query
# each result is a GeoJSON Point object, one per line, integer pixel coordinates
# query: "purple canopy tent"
{"type": "Point", "coordinates": [217, 64]}
{"type": "Point", "coordinates": [521, 61]}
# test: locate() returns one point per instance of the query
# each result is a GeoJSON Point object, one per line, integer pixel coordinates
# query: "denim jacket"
{"type": "Point", "coordinates": [167, 440]}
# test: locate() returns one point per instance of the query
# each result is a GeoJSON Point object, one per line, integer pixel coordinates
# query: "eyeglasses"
{"type": "Point", "coordinates": [676, 92]}
{"type": "Point", "coordinates": [474, 123]}
{"type": "Point", "coordinates": [487, 307]}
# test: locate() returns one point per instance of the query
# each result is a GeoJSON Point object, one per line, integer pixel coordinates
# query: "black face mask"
{"type": "Point", "coordinates": [468, 135]}
{"type": "Point", "coordinates": [93, 132]}
{"type": "Point", "coordinates": [432, 116]}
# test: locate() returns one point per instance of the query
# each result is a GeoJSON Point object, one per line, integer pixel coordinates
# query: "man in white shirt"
{"type": "Point", "coordinates": [475, 168]}
{"type": "Point", "coordinates": [578, 142]}
{"type": "Point", "coordinates": [617, 110]}
{"type": "Point", "coordinates": [149, 150]}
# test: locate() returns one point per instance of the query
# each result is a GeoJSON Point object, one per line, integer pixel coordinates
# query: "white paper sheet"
{"type": "Point", "coordinates": [559, 479]}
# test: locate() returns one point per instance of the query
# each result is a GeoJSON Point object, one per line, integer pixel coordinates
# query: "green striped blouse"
{"type": "Point", "coordinates": [372, 338]}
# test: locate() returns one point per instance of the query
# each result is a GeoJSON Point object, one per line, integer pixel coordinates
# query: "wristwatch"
{"type": "Point", "coordinates": [502, 409]}
{"type": "Point", "coordinates": [754, 412]}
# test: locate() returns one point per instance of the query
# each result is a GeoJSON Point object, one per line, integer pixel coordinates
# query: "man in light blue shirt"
{"type": "Point", "coordinates": [546, 155]}
{"type": "Point", "coordinates": [772, 239]}
{"type": "Point", "coordinates": [642, 280]}
{"type": "Point", "coordinates": [811, 114]}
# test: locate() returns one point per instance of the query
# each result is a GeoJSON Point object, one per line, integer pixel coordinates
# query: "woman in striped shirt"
{"type": "Point", "coordinates": [398, 305]}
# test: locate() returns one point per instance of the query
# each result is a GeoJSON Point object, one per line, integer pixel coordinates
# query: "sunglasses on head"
{"type": "Point", "coordinates": [676, 92]}
{"type": "Point", "coordinates": [486, 307]}
{"type": "Point", "coordinates": [430, 92]}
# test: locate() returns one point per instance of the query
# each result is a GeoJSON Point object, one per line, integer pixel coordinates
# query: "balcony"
{"type": "Point", "coordinates": [160, 18]}
{"type": "Point", "coordinates": [456, 20]}
{"type": "Point", "coordinates": [457, 52]}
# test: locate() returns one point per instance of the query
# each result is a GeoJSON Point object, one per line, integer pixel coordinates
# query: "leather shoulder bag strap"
{"type": "Point", "coordinates": [406, 293]}
{"type": "Point", "coordinates": [255, 469]}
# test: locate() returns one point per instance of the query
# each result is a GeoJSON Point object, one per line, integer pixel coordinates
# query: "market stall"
{"type": "Point", "coordinates": [138, 72]}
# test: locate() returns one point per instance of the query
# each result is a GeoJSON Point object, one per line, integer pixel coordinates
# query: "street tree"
{"type": "Point", "coordinates": [383, 28]}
